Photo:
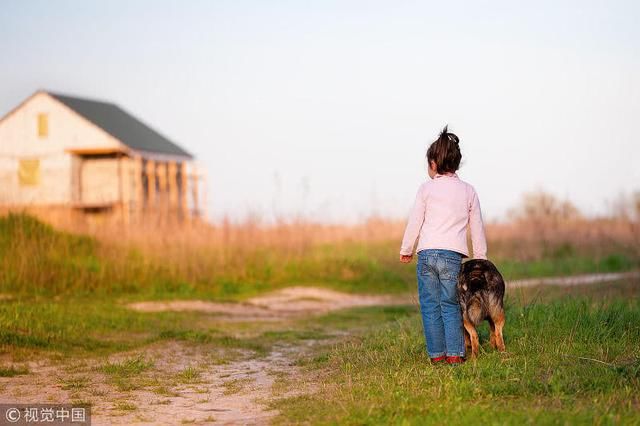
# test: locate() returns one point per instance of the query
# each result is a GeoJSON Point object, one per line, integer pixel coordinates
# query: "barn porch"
{"type": "Point", "coordinates": [146, 187]}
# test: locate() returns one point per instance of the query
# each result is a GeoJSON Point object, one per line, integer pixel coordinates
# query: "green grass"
{"type": "Point", "coordinates": [128, 374]}
{"type": "Point", "coordinates": [33, 326]}
{"type": "Point", "coordinates": [565, 265]}
{"type": "Point", "coordinates": [189, 374]}
{"type": "Point", "coordinates": [571, 360]}
{"type": "Point", "coordinates": [125, 406]}
{"type": "Point", "coordinates": [75, 325]}
{"type": "Point", "coordinates": [12, 371]}
{"type": "Point", "coordinates": [75, 383]}
{"type": "Point", "coordinates": [128, 367]}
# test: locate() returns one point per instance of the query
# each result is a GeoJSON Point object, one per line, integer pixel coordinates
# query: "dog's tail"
{"type": "Point", "coordinates": [476, 276]}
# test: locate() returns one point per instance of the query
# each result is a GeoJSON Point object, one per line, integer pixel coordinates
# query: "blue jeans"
{"type": "Point", "coordinates": [437, 272]}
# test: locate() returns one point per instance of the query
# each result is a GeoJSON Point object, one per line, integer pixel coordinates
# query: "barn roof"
{"type": "Point", "coordinates": [122, 125]}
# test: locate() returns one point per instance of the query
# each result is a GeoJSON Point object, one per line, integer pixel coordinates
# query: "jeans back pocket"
{"type": "Point", "coordinates": [426, 265]}
{"type": "Point", "coordinates": [451, 269]}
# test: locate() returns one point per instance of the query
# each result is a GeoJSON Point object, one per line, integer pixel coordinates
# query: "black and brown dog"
{"type": "Point", "coordinates": [481, 293]}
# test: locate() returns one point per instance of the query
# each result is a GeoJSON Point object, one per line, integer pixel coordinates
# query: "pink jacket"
{"type": "Point", "coordinates": [443, 208]}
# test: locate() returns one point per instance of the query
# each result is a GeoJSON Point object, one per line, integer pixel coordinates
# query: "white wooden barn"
{"type": "Point", "coordinates": [88, 157]}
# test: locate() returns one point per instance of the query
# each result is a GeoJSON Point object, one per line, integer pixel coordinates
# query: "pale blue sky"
{"type": "Point", "coordinates": [326, 108]}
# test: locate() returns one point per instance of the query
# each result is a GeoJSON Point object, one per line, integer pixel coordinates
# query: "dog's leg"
{"type": "Point", "coordinates": [473, 334]}
{"type": "Point", "coordinates": [467, 340]}
{"type": "Point", "coordinates": [492, 334]}
{"type": "Point", "coordinates": [499, 324]}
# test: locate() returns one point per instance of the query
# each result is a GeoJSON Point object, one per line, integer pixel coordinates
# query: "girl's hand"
{"type": "Point", "coordinates": [404, 258]}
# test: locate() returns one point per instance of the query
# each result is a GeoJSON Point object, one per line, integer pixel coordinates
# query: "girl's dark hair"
{"type": "Point", "coordinates": [445, 152]}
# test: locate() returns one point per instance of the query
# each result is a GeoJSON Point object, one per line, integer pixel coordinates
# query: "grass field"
{"type": "Point", "coordinates": [572, 358]}
{"type": "Point", "coordinates": [572, 355]}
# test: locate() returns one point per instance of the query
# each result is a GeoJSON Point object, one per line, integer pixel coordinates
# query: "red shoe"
{"type": "Point", "coordinates": [438, 359]}
{"type": "Point", "coordinates": [455, 360]}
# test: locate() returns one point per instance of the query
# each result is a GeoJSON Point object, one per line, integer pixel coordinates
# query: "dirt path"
{"type": "Point", "coordinates": [290, 302]}
{"type": "Point", "coordinates": [232, 393]}
{"type": "Point", "coordinates": [294, 302]}
{"type": "Point", "coordinates": [573, 280]}
{"type": "Point", "coordinates": [182, 386]}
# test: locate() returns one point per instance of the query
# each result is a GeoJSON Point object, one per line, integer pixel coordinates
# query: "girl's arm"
{"type": "Point", "coordinates": [416, 218]}
{"type": "Point", "coordinates": [478, 240]}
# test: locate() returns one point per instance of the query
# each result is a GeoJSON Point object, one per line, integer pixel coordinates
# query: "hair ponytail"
{"type": "Point", "coordinates": [445, 152]}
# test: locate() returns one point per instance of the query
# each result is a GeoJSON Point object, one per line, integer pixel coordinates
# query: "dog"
{"type": "Point", "coordinates": [480, 291]}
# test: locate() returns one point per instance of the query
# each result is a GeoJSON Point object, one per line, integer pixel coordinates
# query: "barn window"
{"type": "Point", "coordinates": [43, 125]}
{"type": "Point", "coordinates": [29, 172]}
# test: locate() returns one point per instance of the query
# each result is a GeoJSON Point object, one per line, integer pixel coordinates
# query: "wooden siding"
{"type": "Point", "coordinates": [20, 139]}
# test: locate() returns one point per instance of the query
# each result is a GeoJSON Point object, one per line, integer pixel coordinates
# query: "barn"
{"type": "Point", "coordinates": [90, 157]}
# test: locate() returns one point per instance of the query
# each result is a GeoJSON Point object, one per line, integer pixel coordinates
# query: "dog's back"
{"type": "Point", "coordinates": [481, 292]}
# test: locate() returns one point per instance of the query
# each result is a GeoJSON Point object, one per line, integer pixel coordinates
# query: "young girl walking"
{"type": "Point", "coordinates": [443, 209]}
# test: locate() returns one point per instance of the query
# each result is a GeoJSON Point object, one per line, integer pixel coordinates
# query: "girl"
{"type": "Point", "coordinates": [442, 210]}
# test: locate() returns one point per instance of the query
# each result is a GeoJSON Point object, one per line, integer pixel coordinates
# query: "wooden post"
{"type": "Point", "coordinates": [151, 186]}
{"type": "Point", "coordinates": [184, 208]}
{"type": "Point", "coordinates": [81, 181]}
{"type": "Point", "coordinates": [162, 191]}
{"type": "Point", "coordinates": [76, 162]}
{"type": "Point", "coordinates": [119, 203]}
{"type": "Point", "coordinates": [125, 187]}
{"type": "Point", "coordinates": [194, 191]}
{"type": "Point", "coordinates": [173, 190]}
{"type": "Point", "coordinates": [204, 202]}
{"type": "Point", "coordinates": [139, 190]}
{"type": "Point", "coordinates": [118, 159]}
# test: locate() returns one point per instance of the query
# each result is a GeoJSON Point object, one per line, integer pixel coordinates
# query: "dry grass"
{"type": "Point", "coordinates": [238, 260]}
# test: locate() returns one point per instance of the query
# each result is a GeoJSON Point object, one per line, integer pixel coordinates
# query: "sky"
{"type": "Point", "coordinates": [324, 109]}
